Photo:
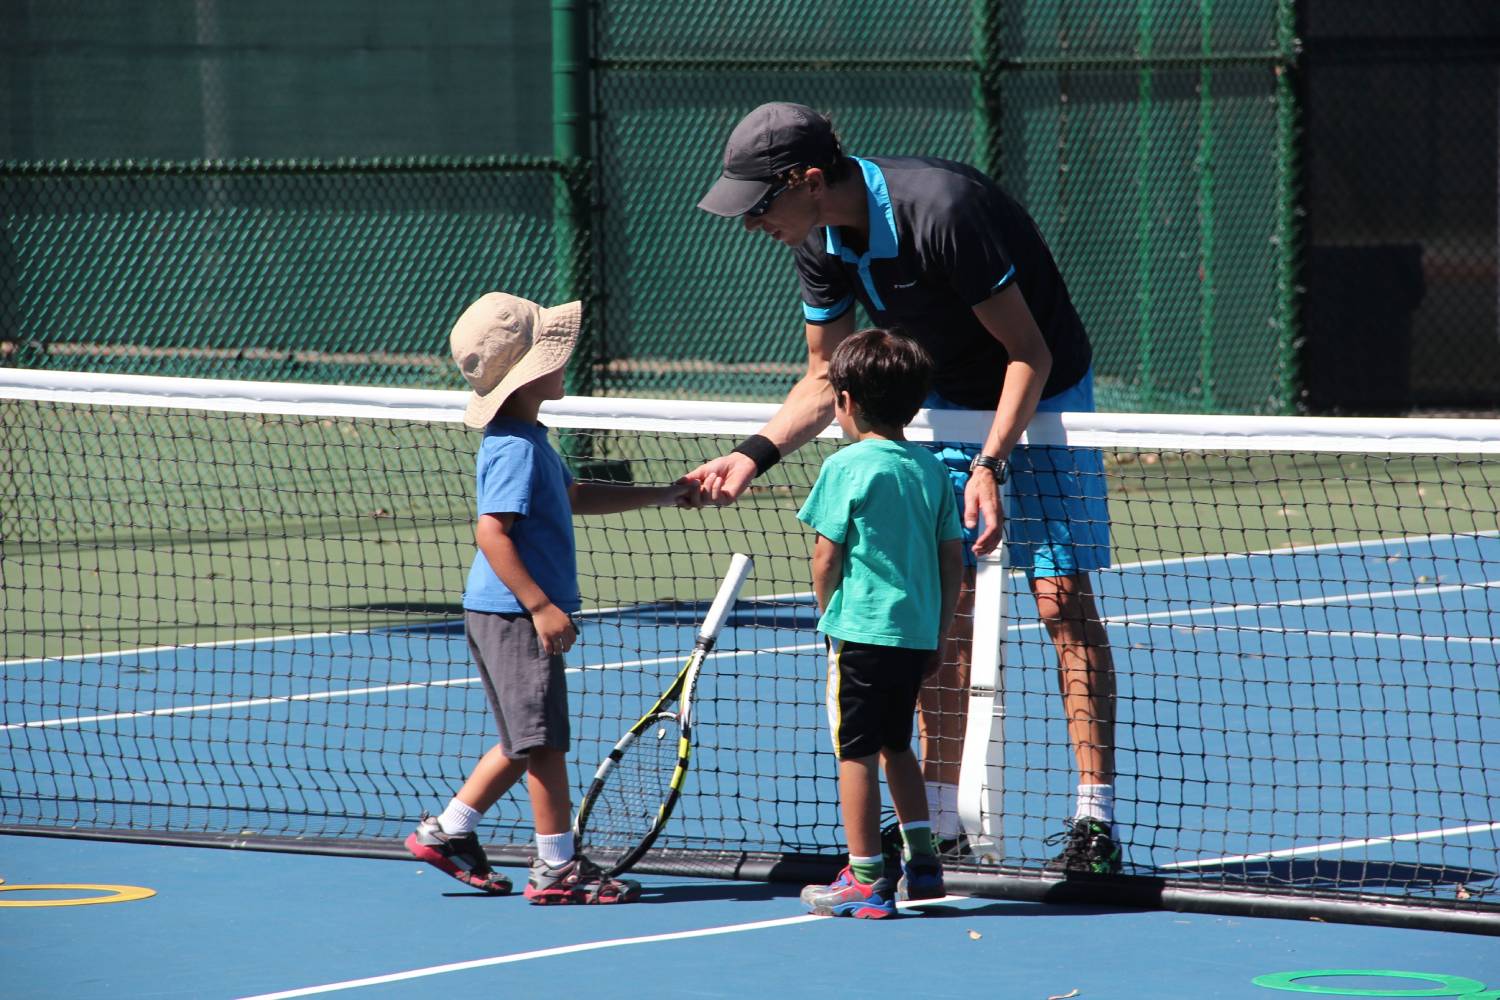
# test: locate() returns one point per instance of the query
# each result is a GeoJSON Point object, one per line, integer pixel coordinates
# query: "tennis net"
{"type": "Point", "coordinates": [231, 615]}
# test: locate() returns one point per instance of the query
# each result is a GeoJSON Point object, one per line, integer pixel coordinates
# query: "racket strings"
{"type": "Point", "coordinates": [629, 804]}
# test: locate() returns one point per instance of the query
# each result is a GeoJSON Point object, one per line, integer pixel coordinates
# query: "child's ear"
{"type": "Point", "coordinates": [842, 400]}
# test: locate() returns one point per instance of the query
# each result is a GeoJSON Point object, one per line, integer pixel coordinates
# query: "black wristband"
{"type": "Point", "coordinates": [759, 449]}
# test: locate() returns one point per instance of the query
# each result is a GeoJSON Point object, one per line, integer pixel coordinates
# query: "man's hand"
{"type": "Point", "coordinates": [982, 499]}
{"type": "Point", "coordinates": [722, 480]}
{"type": "Point", "coordinates": [554, 629]}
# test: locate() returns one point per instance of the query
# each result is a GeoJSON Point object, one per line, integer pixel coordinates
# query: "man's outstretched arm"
{"type": "Point", "coordinates": [807, 410]}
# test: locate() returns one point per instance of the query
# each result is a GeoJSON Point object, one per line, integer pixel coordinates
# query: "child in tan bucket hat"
{"type": "Point", "coordinates": [521, 594]}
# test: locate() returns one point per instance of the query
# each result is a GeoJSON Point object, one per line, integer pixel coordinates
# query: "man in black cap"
{"type": "Point", "coordinates": [938, 250]}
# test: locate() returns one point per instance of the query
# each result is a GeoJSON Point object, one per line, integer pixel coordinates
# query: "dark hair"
{"type": "Point", "coordinates": [885, 374]}
{"type": "Point", "coordinates": [836, 171]}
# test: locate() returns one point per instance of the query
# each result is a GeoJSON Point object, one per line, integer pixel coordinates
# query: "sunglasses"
{"type": "Point", "coordinates": [764, 205]}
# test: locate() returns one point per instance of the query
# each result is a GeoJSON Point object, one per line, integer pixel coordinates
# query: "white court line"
{"type": "Point", "coordinates": [143, 650]}
{"type": "Point", "coordinates": [220, 706]}
{"type": "Point", "coordinates": [1292, 550]}
{"type": "Point", "coordinates": [570, 949]}
{"type": "Point", "coordinates": [1229, 609]}
{"type": "Point", "coordinates": [1343, 845]}
{"type": "Point", "coordinates": [1445, 640]}
{"type": "Point", "coordinates": [1182, 561]}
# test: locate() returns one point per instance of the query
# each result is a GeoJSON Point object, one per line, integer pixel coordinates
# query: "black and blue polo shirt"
{"type": "Point", "coordinates": [944, 238]}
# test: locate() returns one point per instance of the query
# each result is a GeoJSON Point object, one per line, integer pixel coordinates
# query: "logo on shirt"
{"type": "Point", "coordinates": [907, 285]}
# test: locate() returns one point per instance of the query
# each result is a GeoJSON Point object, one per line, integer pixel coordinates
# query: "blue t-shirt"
{"type": "Point", "coordinates": [519, 472]}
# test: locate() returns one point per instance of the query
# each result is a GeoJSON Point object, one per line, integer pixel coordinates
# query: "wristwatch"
{"type": "Point", "coordinates": [999, 466]}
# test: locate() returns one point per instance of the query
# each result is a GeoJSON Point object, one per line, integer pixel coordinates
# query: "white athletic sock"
{"type": "Point", "coordinates": [555, 848]}
{"type": "Point", "coordinates": [1096, 802]}
{"type": "Point", "coordinates": [942, 809]}
{"type": "Point", "coordinates": [459, 818]}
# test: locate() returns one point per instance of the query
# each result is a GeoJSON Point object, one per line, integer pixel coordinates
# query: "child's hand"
{"type": "Point", "coordinates": [685, 493]}
{"type": "Point", "coordinates": [554, 630]}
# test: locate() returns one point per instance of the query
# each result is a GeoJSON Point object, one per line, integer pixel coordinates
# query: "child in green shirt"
{"type": "Point", "coordinates": [886, 568]}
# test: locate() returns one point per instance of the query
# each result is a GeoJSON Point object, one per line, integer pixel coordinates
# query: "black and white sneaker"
{"type": "Point", "coordinates": [458, 855]}
{"type": "Point", "coordinates": [893, 846]}
{"type": "Point", "coordinates": [1090, 847]}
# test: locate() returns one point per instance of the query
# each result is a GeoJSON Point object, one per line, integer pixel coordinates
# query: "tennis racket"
{"type": "Point", "coordinates": [639, 782]}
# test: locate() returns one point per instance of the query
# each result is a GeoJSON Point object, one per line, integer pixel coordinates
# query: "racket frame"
{"type": "Point", "coordinates": [681, 689]}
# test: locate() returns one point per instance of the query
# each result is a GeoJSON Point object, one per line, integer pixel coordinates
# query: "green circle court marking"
{"type": "Point", "coordinates": [112, 894]}
{"type": "Point", "coordinates": [1447, 986]}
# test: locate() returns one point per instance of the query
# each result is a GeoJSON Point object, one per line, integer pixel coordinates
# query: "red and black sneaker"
{"type": "Point", "coordinates": [457, 854]}
{"type": "Point", "coordinates": [577, 881]}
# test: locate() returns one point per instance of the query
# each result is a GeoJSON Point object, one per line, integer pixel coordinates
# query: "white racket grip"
{"type": "Point", "coordinates": [729, 592]}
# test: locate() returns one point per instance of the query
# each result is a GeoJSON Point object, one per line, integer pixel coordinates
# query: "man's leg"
{"type": "Point", "coordinates": [1086, 672]}
{"type": "Point", "coordinates": [943, 714]}
{"type": "Point", "coordinates": [1086, 679]}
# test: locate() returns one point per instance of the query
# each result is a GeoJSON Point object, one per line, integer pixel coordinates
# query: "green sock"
{"type": "Point", "coordinates": [918, 837]}
{"type": "Point", "coordinates": [867, 870]}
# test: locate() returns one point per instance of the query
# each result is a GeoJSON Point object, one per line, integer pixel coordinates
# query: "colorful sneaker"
{"type": "Point", "coordinates": [921, 878]}
{"type": "Point", "coordinates": [1090, 848]}
{"type": "Point", "coordinates": [847, 896]}
{"type": "Point", "coordinates": [577, 881]}
{"type": "Point", "coordinates": [459, 856]}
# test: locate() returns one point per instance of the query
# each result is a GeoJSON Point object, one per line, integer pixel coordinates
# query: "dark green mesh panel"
{"type": "Point", "coordinates": [1151, 141]}
{"type": "Point", "coordinates": [270, 271]}
{"type": "Point", "coordinates": [1144, 138]}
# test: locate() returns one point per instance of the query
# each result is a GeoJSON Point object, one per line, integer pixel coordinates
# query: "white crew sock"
{"type": "Point", "coordinates": [459, 818]}
{"type": "Point", "coordinates": [555, 848]}
{"type": "Point", "coordinates": [942, 809]}
{"type": "Point", "coordinates": [1096, 802]}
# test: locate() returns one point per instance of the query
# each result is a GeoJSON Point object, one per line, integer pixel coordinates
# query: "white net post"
{"type": "Point", "coordinates": [981, 783]}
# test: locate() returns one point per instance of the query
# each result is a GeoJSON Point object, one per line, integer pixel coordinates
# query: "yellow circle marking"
{"type": "Point", "coordinates": [112, 894]}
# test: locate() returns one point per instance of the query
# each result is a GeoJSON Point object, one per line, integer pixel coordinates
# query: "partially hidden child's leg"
{"type": "Point", "coordinates": [921, 871]}
{"type": "Point", "coordinates": [449, 841]}
{"type": "Point", "coordinates": [491, 778]}
{"type": "Point", "coordinates": [903, 776]}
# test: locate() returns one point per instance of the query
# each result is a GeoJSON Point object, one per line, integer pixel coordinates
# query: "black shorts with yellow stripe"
{"type": "Point", "coordinates": [872, 693]}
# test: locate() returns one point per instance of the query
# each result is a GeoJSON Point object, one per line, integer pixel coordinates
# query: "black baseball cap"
{"type": "Point", "coordinates": [767, 143]}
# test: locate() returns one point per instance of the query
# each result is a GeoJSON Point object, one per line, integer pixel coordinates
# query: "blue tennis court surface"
{"type": "Point", "coordinates": [226, 924]}
{"type": "Point", "coordinates": [1273, 728]}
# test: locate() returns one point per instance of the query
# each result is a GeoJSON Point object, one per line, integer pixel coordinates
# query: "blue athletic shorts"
{"type": "Point", "coordinates": [1058, 520]}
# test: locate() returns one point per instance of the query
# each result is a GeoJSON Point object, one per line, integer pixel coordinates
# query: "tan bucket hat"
{"type": "Point", "coordinates": [503, 341]}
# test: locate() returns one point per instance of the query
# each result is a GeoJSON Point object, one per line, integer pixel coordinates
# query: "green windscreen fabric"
{"type": "Point", "coordinates": [308, 272]}
{"type": "Point", "coordinates": [1151, 141]}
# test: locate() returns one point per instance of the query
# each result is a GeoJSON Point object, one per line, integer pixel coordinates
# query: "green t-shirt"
{"type": "Point", "coordinates": [889, 504]}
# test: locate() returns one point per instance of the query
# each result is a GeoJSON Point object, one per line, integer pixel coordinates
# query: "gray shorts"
{"type": "Point", "coordinates": [527, 689]}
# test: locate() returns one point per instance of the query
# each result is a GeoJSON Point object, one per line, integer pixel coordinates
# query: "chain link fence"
{"type": "Point", "coordinates": [1151, 141]}
{"type": "Point", "coordinates": [281, 271]}
{"type": "Point", "coordinates": [1258, 206]}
